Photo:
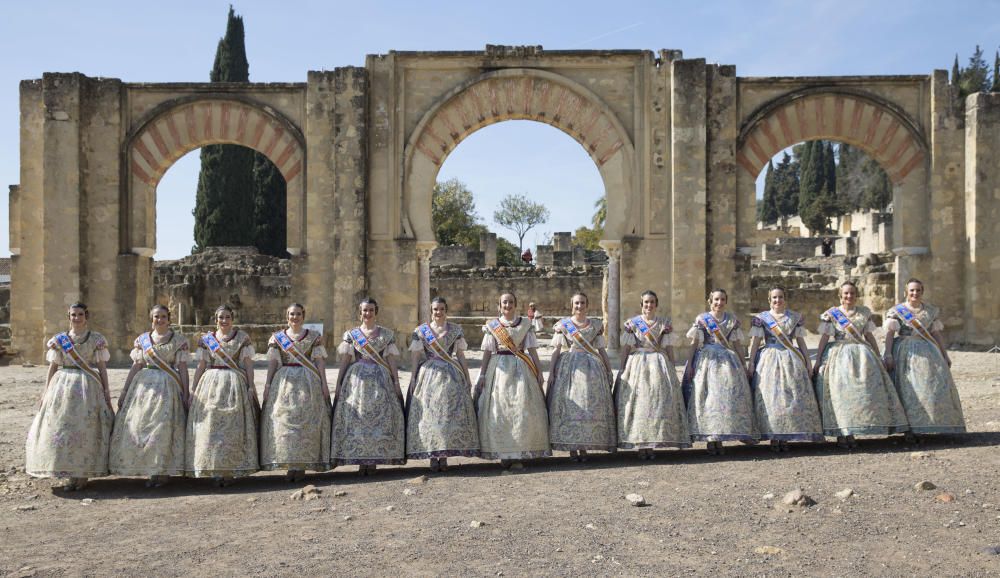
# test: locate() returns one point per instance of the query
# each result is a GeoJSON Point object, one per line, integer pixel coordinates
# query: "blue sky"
{"type": "Point", "coordinates": [175, 42]}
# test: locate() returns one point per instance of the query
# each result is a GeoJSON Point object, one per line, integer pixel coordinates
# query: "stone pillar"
{"type": "Point", "coordinates": [488, 245]}
{"type": "Point", "coordinates": [544, 256]}
{"type": "Point", "coordinates": [562, 241]}
{"type": "Point", "coordinates": [612, 325]}
{"type": "Point", "coordinates": [982, 210]}
{"type": "Point", "coordinates": [424, 251]}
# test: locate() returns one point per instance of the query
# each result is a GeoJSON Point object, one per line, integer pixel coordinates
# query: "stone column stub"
{"type": "Point", "coordinates": [612, 325]}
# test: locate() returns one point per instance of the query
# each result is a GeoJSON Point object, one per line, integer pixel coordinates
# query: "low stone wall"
{"type": "Point", "coordinates": [790, 248]}
{"type": "Point", "coordinates": [474, 292]}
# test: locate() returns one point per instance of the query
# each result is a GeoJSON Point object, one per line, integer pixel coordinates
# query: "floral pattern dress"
{"type": "Point", "coordinates": [922, 377]}
{"type": "Point", "coordinates": [648, 394]}
{"type": "Point", "coordinates": [70, 433]}
{"type": "Point", "coordinates": [368, 423]}
{"type": "Point", "coordinates": [513, 423]}
{"type": "Point", "coordinates": [295, 416]}
{"type": "Point", "coordinates": [855, 393]}
{"type": "Point", "coordinates": [222, 422]}
{"type": "Point", "coordinates": [784, 401]}
{"type": "Point", "coordinates": [716, 390]}
{"type": "Point", "coordinates": [440, 415]}
{"type": "Point", "coordinates": [581, 407]}
{"type": "Point", "coordinates": [148, 439]}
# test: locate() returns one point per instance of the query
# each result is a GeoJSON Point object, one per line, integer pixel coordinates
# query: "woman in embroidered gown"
{"type": "Point", "coordinates": [295, 417]}
{"type": "Point", "coordinates": [581, 407]}
{"type": "Point", "coordinates": [368, 423]}
{"type": "Point", "coordinates": [69, 435]}
{"type": "Point", "coordinates": [718, 397]}
{"type": "Point", "coordinates": [855, 393]}
{"type": "Point", "coordinates": [513, 424]}
{"type": "Point", "coordinates": [648, 394]}
{"type": "Point", "coordinates": [914, 350]}
{"type": "Point", "coordinates": [148, 438]}
{"type": "Point", "coordinates": [440, 415]}
{"type": "Point", "coordinates": [785, 405]}
{"type": "Point", "coordinates": [222, 421]}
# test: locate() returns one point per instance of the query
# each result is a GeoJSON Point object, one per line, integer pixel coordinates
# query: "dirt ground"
{"type": "Point", "coordinates": [705, 514]}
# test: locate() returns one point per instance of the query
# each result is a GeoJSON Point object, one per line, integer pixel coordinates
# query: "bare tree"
{"type": "Point", "coordinates": [519, 214]}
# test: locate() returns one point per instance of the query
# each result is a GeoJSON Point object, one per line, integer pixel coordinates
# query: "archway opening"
{"type": "Point", "coordinates": [519, 160]}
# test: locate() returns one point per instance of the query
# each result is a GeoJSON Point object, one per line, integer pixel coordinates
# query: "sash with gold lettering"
{"type": "Point", "coordinates": [364, 347]}
{"type": "Point", "coordinates": [639, 323]}
{"type": "Point", "coordinates": [503, 338]}
{"type": "Point", "coordinates": [910, 319]}
{"type": "Point", "coordinates": [786, 342]}
{"type": "Point", "coordinates": [146, 342]}
{"type": "Point", "coordinates": [288, 347]}
{"type": "Point", "coordinates": [215, 347]}
{"type": "Point", "coordinates": [712, 326]}
{"type": "Point", "coordinates": [850, 328]}
{"type": "Point", "coordinates": [68, 349]}
{"type": "Point", "coordinates": [578, 337]}
{"type": "Point", "coordinates": [431, 339]}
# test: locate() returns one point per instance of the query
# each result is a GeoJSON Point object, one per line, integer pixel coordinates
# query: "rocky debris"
{"type": "Point", "coordinates": [307, 493]}
{"type": "Point", "coordinates": [945, 498]}
{"type": "Point", "coordinates": [919, 455]}
{"type": "Point", "coordinates": [767, 496]}
{"type": "Point", "coordinates": [86, 501]}
{"type": "Point", "coordinates": [924, 486]}
{"type": "Point", "coordinates": [252, 499]}
{"type": "Point", "coordinates": [417, 480]}
{"type": "Point", "coordinates": [636, 500]}
{"type": "Point", "coordinates": [409, 492]}
{"type": "Point", "coordinates": [769, 550]}
{"type": "Point", "coordinates": [845, 493]}
{"type": "Point", "coordinates": [798, 498]}
{"type": "Point", "coordinates": [348, 518]}
{"type": "Point", "coordinates": [25, 572]}
{"type": "Point", "coordinates": [476, 524]}
{"type": "Point", "coordinates": [992, 551]}
{"type": "Point", "coordinates": [590, 527]}
{"type": "Point", "coordinates": [339, 494]}
{"type": "Point", "coordinates": [25, 508]}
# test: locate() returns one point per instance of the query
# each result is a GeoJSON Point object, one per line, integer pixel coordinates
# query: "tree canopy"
{"type": "Point", "coordinates": [520, 215]}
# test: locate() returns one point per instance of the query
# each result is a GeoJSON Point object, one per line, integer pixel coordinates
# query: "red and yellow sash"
{"type": "Point", "coordinates": [503, 337]}
{"type": "Point", "coordinates": [69, 350]}
{"type": "Point", "coordinates": [644, 329]}
{"type": "Point", "coordinates": [910, 319]}
{"type": "Point", "coordinates": [146, 343]}
{"type": "Point", "coordinates": [431, 339]}
{"type": "Point", "coordinates": [713, 327]}
{"type": "Point", "coordinates": [213, 345]}
{"type": "Point", "coordinates": [288, 347]}
{"type": "Point", "coordinates": [786, 342]}
{"type": "Point", "coordinates": [570, 327]}
{"type": "Point", "coordinates": [364, 347]}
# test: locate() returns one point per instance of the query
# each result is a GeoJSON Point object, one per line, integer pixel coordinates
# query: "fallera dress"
{"type": "Point", "coordinates": [222, 422]}
{"type": "Point", "coordinates": [648, 395]}
{"type": "Point", "coordinates": [785, 405]}
{"type": "Point", "coordinates": [855, 393]}
{"type": "Point", "coordinates": [922, 377]}
{"type": "Point", "coordinates": [716, 390]}
{"type": "Point", "coordinates": [440, 415]}
{"type": "Point", "coordinates": [368, 423]}
{"type": "Point", "coordinates": [513, 423]}
{"type": "Point", "coordinates": [148, 438]}
{"type": "Point", "coordinates": [70, 433]}
{"type": "Point", "coordinates": [581, 407]}
{"type": "Point", "coordinates": [295, 416]}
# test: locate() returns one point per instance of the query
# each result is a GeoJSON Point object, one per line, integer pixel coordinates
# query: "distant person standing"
{"type": "Point", "coordinates": [827, 246]}
{"type": "Point", "coordinates": [535, 316]}
{"type": "Point", "coordinates": [527, 257]}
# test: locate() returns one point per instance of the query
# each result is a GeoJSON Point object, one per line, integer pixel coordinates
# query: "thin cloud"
{"type": "Point", "coordinates": [606, 34]}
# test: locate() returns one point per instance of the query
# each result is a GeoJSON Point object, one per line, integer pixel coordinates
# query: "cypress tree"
{"type": "Point", "coordinates": [767, 210]}
{"type": "Point", "coordinates": [810, 174]}
{"type": "Point", "coordinates": [995, 87]}
{"type": "Point", "coordinates": [224, 203]}
{"type": "Point", "coordinates": [270, 196]}
{"type": "Point", "coordinates": [956, 72]}
{"type": "Point", "coordinates": [788, 186]}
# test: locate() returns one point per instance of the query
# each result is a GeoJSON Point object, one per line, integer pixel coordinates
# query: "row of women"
{"type": "Point", "coordinates": [161, 429]}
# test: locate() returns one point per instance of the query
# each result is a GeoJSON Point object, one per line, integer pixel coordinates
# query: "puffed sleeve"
{"type": "Point", "coordinates": [390, 348]}
{"type": "Point", "coordinates": [628, 338]}
{"type": "Point", "coordinates": [318, 352]}
{"type": "Point", "coordinates": [559, 337]}
{"type": "Point", "coordinates": [272, 350]}
{"type": "Point", "coordinates": [737, 334]}
{"type": "Point", "coordinates": [203, 353]}
{"type": "Point", "coordinates": [101, 352]}
{"type": "Point", "coordinates": [869, 326]}
{"type": "Point", "coordinates": [600, 342]}
{"type": "Point", "coordinates": [136, 353]}
{"type": "Point", "coordinates": [670, 339]}
{"type": "Point", "coordinates": [460, 343]}
{"type": "Point", "coordinates": [756, 327]}
{"type": "Point", "coordinates": [826, 326]}
{"type": "Point", "coordinates": [346, 346]}
{"type": "Point", "coordinates": [530, 340]}
{"type": "Point", "coordinates": [937, 326]}
{"type": "Point", "coordinates": [800, 328]}
{"type": "Point", "coordinates": [891, 323]}
{"type": "Point", "coordinates": [183, 352]}
{"type": "Point", "coordinates": [489, 342]}
{"type": "Point", "coordinates": [52, 353]}
{"type": "Point", "coordinates": [696, 335]}
{"type": "Point", "coordinates": [247, 351]}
